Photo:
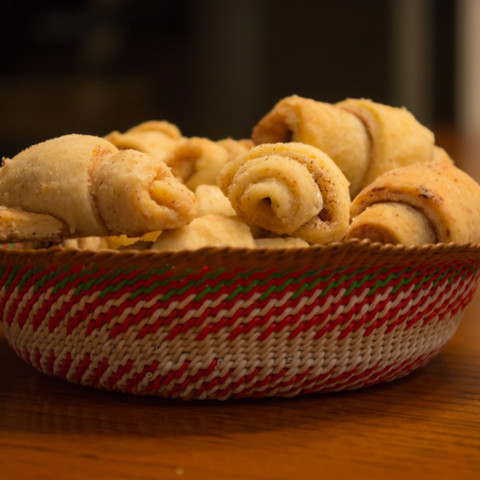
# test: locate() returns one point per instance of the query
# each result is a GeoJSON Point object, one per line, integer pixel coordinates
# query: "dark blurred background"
{"type": "Point", "coordinates": [214, 67]}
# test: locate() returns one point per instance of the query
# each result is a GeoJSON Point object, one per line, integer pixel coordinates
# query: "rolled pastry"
{"type": "Point", "coordinates": [198, 160]}
{"type": "Point", "coordinates": [157, 138]}
{"type": "Point", "coordinates": [421, 203]}
{"type": "Point", "coordinates": [363, 138]}
{"type": "Point", "coordinates": [93, 189]}
{"type": "Point", "coordinates": [207, 231]}
{"type": "Point", "coordinates": [236, 147]}
{"type": "Point", "coordinates": [289, 189]}
{"type": "Point", "coordinates": [392, 222]}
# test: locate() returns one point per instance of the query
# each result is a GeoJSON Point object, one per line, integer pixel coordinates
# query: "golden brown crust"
{"type": "Point", "coordinates": [236, 147]}
{"type": "Point", "coordinates": [364, 138]}
{"type": "Point", "coordinates": [339, 134]}
{"type": "Point", "coordinates": [290, 189]}
{"type": "Point", "coordinates": [391, 222]}
{"type": "Point", "coordinates": [397, 138]}
{"type": "Point", "coordinates": [94, 189]}
{"type": "Point", "coordinates": [197, 161]}
{"type": "Point", "coordinates": [136, 194]}
{"type": "Point", "coordinates": [288, 185]}
{"type": "Point", "coordinates": [447, 196]}
{"type": "Point", "coordinates": [156, 138]}
{"type": "Point", "coordinates": [53, 177]}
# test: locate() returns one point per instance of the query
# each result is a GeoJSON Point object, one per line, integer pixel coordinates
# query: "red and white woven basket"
{"type": "Point", "coordinates": [225, 323]}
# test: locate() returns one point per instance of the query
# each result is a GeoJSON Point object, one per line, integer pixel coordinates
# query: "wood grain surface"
{"type": "Point", "coordinates": [426, 425]}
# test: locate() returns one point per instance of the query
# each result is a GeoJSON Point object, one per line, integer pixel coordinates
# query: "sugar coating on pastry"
{"type": "Point", "coordinates": [197, 160]}
{"type": "Point", "coordinates": [397, 138]}
{"type": "Point", "coordinates": [137, 194]}
{"type": "Point", "coordinates": [290, 189]}
{"type": "Point", "coordinates": [288, 186]}
{"type": "Point", "coordinates": [448, 197]}
{"type": "Point", "coordinates": [341, 135]}
{"type": "Point", "coordinates": [390, 222]}
{"type": "Point", "coordinates": [95, 189]}
{"type": "Point", "coordinates": [364, 138]}
{"type": "Point", "coordinates": [207, 231]}
{"type": "Point", "coordinates": [54, 178]}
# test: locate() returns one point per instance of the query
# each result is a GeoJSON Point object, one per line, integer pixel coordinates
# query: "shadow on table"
{"type": "Point", "coordinates": [32, 401]}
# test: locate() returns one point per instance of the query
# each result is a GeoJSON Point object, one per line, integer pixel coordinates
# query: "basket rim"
{"type": "Point", "coordinates": [353, 252]}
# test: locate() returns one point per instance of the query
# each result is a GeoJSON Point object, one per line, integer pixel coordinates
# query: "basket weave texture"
{"type": "Point", "coordinates": [229, 323]}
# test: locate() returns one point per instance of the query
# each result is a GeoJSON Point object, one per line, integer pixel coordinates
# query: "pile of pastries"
{"type": "Point", "coordinates": [311, 173]}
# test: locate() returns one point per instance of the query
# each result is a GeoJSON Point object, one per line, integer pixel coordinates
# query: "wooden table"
{"type": "Point", "coordinates": [426, 425]}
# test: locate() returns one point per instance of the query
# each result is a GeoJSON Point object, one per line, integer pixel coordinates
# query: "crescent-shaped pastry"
{"type": "Point", "coordinates": [157, 138]}
{"type": "Point", "coordinates": [94, 189]}
{"type": "Point", "coordinates": [392, 222]}
{"type": "Point", "coordinates": [136, 194]}
{"type": "Point", "coordinates": [363, 138]}
{"type": "Point", "coordinates": [289, 189]}
{"type": "Point", "coordinates": [236, 147]}
{"type": "Point", "coordinates": [397, 138]}
{"type": "Point", "coordinates": [421, 203]}
{"type": "Point", "coordinates": [197, 160]}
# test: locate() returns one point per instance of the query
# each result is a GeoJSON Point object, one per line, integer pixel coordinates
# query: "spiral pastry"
{"type": "Point", "coordinates": [82, 185]}
{"type": "Point", "coordinates": [362, 137]}
{"type": "Point", "coordinates": [156, 138]}
{"type": "Point", "coordinates": [197, 160]}
{"type": "Point", "coordinates": [422, 203]}
{"type": "Point", "coordinates": [289, 189]}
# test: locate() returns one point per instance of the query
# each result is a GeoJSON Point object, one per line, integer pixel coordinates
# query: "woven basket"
{"type": "Point", "coordinates": [225, 323]}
